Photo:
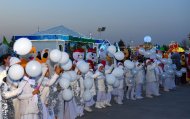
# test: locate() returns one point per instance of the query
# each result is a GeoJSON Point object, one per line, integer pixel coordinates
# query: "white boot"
{"type": "Point", "coordinates": [98, 105]}
{"type": "Point", "coordinates": [107, 103]}
{"type": "Point", "coordinates": [88, 109]}
{"type": "Point", "coordinates": [102, 104]}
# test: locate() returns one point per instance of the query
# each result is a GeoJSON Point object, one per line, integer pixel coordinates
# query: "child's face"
{"type": "Point", "coordinates": [101, 68]}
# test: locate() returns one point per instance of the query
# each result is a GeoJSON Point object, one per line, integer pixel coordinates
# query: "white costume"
{"type": "Point", "coordinates": [151, 80]}
{"type": "Point", "coordinates": [139, 80]}
{"type": "Point", "coordinates": [129, 79]}
{"type": "Point", "coordinates": [28, 101]}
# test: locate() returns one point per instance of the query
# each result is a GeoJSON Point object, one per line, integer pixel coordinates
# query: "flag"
{"type": "Point", "coordinates": [5, 41]}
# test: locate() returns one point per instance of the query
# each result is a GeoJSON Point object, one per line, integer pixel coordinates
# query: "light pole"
{"type": "Point", "coordinates": [100, 30]}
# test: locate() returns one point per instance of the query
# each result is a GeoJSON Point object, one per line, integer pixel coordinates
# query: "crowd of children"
{"type": "Point", "coordinates": [47, 96]}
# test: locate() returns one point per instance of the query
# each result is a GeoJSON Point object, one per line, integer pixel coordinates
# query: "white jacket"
{"type": "Point", "coordinates": [90, 75]}
{"type": "Point", "coordinates": [140, 76]}
{"type": "Point", "coordinates": [100, 80]}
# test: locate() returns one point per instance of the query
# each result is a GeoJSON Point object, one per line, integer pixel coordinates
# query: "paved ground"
{"type": "Point", "coordinates": [170, 105]}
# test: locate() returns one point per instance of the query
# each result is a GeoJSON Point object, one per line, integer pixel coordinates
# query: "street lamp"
{"type": "Point", "coordinates": [101, 29]}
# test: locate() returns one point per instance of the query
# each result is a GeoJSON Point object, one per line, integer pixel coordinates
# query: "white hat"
{"type": "Point", "coordinates": [14, 60]}
{"type": "Point", "coordinates": [99, 65]}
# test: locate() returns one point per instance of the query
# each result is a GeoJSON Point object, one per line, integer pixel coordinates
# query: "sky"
{"type": "Point", "coordinates": [130, 20]}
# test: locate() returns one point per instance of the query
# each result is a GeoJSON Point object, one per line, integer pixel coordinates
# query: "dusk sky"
{"type": "Point", "coordinates": [163, 20]}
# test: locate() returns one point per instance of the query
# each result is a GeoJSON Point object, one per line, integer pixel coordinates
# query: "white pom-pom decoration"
{"type": "Point", "coordinates": [110, 79]}
{"type": "Point", "coordinates": [64, 58]}
{"type": "Point", "coordinates": [129, 64]}
{"type": "Point", "coordinates": [22, 46]}
{"type": "Point", "coordinates": [118, 72]}
{"type": "Point", "coordinates": [55, 55]}
{"type": "Point", "coordinates": [64, 83]}
{"type": "Point", "coordinates": [33, 68]}
{"type": "Point", "coordinates": [67, 94]}
{"type": "Point", "coordinates": [67, 66]}
{"type": "Point", "coordinates": [119, 55]}
{"type": "Point", "coordinates": [111, 49]}
{"type": "Point", "coordinates": [16, 72]}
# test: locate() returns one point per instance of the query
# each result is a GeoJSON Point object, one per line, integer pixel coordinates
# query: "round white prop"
{"type": "Point", "coordinates": [147, 39]}
{"type": "Point", "coordinates": [119, 55]}
{"type": "Point", "coordinates": [73, 75]}
{"type": "Point", "coordinates": [178, 73]}
{"type": "Point", "coordinates": [183, 70]}
{"type": "Point", "coordinates": [66, 75]}
{"type": "Point", "coordinates": [16, 72]}
{"type": "Point", "coordinates": [64, 83]}
{"type": "Point", "coordinates": [118, 72]}
{"type": "Point", "coordinates": [55, 55]}
{"type": "Point", "coordinates": [111, 49]}
{"type": "Point", "coordinates": [67, 94]}
{"type": "Point", "coordinates": [134, 71]}
{"type": "Point", "coordinates": [33, 68]}
{"type": "Point", "coordinates": [87, 96]}
{"type": "Point", "coordinates": [22, 46]}
{"type": "Point", "coordinates": [83, 66]}
{"type": "Point", "coordinates": [64, 58]}
{"type": "Point", "coordinates": [67, 66]}
{"type": "Point", "coordinates": [116, 84]}
{"type": "Point", "coordinates": [129, 64]}
{"type": "Point", "coordinates": [88, 83]}
{"type": "Point", "coordinates": [141, 51]}
{"type": "Point", "coordinates": [110, 79]}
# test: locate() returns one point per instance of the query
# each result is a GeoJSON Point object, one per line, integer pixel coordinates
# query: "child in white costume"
{"type": "Point", "coordinates": [45, 89]}
{"type": "Point", "coordinates": [89, 75]}
{"type": "Point", "coordinates": [101, 91]}
{"type": "Point", "coordinates": [130, 83]}
{"type": "Point", "coordinates": [139, 80]}
{"type": "Point", "coordinates": [119, 91]}
{"type": "Point", "coordinates": [108, 70]}
{"type": "Point", "coordinates": [158, 71]}
{"type": "Point", "coordinates": [151, 79]}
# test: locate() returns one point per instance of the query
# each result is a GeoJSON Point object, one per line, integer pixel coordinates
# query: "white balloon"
{"type": "Point", "coordinates": [67, 66]}
{"type": "Point", "coordinates": [64, 58]}
{"type": "Point", "coordinates": [178, 73]}
{"type": "Point", "coordinates": [119, 55]}
{"type": "Point", "coordinates": [164, 75]}
{"type": "Point", "coordinates": [87, 96]}
{"type": "Point", "coordinates": [67, 94]}
{"type": "Point", "coordinates": [116, 83]}
{"type": "Point", "coordinates": [169, 61]}
{"type": "Point", "coordinates": [183, 70]}
{"type": "Point", "coordinates": [33, 68]}
{"type": "Point", "coordinates": [111, 49]}
{"type": "Point", "coordinates": [129, 64]}
{"type": "Point", "coordinates": [170, 71]}
{"type": "Point", "coordinates": [55, 55]}
{"type": "Point", "coordinates": [66, 75]}
{"type": "Point", "coordinates": [64, 83]}
{"type": "Point", "coordinates": [147, 39]}
{"type": "Point", "coordinates": [159, 56]}
{"type": "Point", "coordinates": [118, 72]}
{"type": "Point", "coordinates": [141, 51]}
{"type": "Point", "coordinates": [16, 72]}
{"type": "Point", "coordinates": [110, 79]}
{"type": "Point", "coordinates": [147, 54]}
{"type": "Point", "coordinates": [22, 46]}
{"type": "Point", "coordinates": [134, 71]}
{"type": "Point", "coordinates": [88, 83]}
{"type": "Point", "coordinates": [164, 60]}
{"type": "Point", "coordinates": [80, 62]}
{"type": "Point", "coordinates": [83, 67]}
{"type": "Point", "coordinates": [73, 75]}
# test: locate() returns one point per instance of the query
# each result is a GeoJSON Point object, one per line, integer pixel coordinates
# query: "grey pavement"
{"type": "Point", "coordinates": [170, 105]}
